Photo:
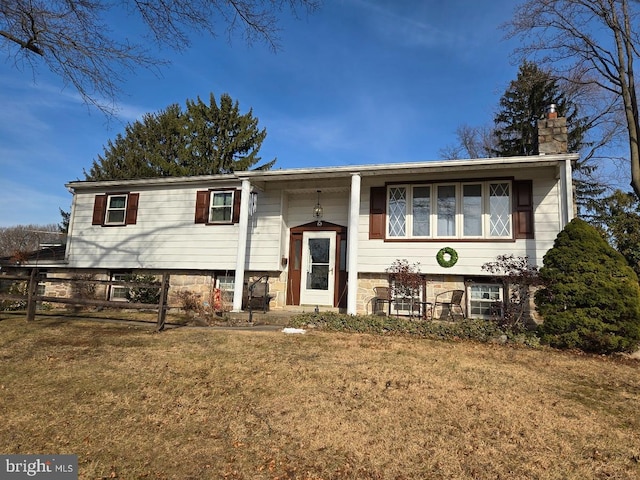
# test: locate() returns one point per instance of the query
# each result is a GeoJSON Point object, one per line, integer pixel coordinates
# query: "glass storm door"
{"type": "Point", "coordinates": [318, 268]}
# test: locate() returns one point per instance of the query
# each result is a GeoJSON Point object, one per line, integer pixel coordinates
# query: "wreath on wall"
{"type": "Point", "coordinates": [443, 253]}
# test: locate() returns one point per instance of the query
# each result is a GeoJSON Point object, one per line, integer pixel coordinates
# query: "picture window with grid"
{"type": "Point", "coordinates": [451, 210]}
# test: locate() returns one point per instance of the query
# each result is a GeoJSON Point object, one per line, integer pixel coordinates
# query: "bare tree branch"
{"type": "Point", "coordinates": [599, 39]}
{"type": "Point", "coordinates": [72, 38]}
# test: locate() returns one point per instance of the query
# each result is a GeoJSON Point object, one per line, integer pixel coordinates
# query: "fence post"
{"type": "Point", "coordinates": [162, 303]}
{"type": "Point", "coordinates": [32, 288]}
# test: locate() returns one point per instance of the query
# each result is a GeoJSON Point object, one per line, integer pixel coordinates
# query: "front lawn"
{"type": "Point", "coordinates": [202, 403]}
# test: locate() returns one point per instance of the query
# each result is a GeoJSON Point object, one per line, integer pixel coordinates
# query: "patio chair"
{"type": "Point", "coordinates": [382, 298]}
{"type": "Point", "coordinates": [450, 303]}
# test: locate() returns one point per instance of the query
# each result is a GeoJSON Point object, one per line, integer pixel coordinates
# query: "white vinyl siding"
{"type": "Point", "coordinates": [165, 235]}
{"type": "Point", "coordinates": [376, 256]}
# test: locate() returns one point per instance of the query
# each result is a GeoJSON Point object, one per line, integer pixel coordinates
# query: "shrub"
{"type": "Point", "coordinates": [591, 298]}
{"type": "Point", "coordinates": [16, 288]}
{"type": "Point", "coordinates": [519, 278]}
{"type": "Point", "coordinates": [143, 293]}
{"type": "Point", "coordinates": [405, 278]}
{"type": "Point", "coordinates": [189, 301]}
{"type": "Point", "coordinates": [467, 329]}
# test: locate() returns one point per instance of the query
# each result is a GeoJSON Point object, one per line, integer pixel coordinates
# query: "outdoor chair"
{"type": "Point", "coordinates": [450, 303]}
{"type": "Point", "coordinates": [382, 298]}
{"type": "Point", "coordinates": [256, 295]}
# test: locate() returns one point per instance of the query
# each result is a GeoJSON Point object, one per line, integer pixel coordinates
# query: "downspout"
{"type": "Point", "coordinates": [243, 229]}
{"type": "Point", "coordinates": [352, 245]}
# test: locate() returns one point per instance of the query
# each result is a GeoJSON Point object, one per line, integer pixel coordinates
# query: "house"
{"type": "Point", "coordinates": [324, 237]}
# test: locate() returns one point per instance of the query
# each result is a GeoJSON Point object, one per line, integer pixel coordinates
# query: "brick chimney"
{"type": "Point", "coordinates": [552, 133]}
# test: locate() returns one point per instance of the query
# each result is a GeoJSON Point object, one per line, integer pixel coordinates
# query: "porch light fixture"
{"type": "Point", "coordinates": [318, 211]}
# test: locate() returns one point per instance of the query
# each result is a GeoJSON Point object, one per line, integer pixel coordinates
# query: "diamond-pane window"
{"type": "Point", "coordinates": [500, 210]}
{"type": "Point", "coordinates": [397, 212]}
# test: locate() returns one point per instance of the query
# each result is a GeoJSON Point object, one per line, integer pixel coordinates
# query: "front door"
{"type": "Point", "coordinates": [318, 268]}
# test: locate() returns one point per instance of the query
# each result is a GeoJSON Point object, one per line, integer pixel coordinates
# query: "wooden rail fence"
{"type": "Point", "coordinates": [32, 298]}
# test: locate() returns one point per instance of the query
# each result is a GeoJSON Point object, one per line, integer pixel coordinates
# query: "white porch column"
{"type": "Point", "coordinates": [569, 199]}
{"type": "Point", "coordinates": [243, 231]}
{"type": "Point", "coordinates": [566, 203]}
{"type": "Point", "coordinates": [352, 245]}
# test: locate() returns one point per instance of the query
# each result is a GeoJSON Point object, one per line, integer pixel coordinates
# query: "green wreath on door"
{"type": "Point", "coordinates": [442, 260]}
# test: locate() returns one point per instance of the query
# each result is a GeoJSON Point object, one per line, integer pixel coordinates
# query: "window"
{"type": "Point", "coordinates": [472, 210]}
{"type": "Point", "coordinates": [397, 211]}
{"type": "Point", "coordinates": [214, 207]}
{"type": "Point", "coordinates": [226, 284]}
{"type": "Point", "coordinates": [484, 300]}
{"type": "Point", "coordinates": [421, 208]}
{"type": "Point", "coordinates": [446, 210]}
{"type": "Point", "coordinates": [500, 208]}
{"type": "Point", "coordinates": [451, 210]}
{"type": "Point", "coordinates": [221, 209]}
{"type": "Point", "coordinates": [119, 292]}
{"type": "Point", "coordinates": [115, 209]}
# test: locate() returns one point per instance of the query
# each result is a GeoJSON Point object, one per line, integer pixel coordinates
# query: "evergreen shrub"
{"type": "Point", "coordinates": [591, 298]}
{"type": "Point", "coordinates": [466, 329]}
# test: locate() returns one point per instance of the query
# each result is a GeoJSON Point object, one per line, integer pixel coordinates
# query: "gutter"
{"type": "Point", "coordinates": [330, 172]}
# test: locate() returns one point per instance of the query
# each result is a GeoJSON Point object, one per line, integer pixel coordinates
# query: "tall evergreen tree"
{"type": "Point", "coordinates": [521, 106]}
{"type": "Point", "coordinates": [516, 124]}
{"type": "Point", "coordinates": [617, 217]}
{"type": "Point", "coordinates": [201, 140]}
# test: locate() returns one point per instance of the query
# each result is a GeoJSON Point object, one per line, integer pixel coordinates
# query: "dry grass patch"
{"type": "Point", "coordinates": [206, 404]}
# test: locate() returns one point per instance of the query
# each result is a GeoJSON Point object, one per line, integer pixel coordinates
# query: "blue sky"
{"type": "Point", "coordinates": [358, 82]}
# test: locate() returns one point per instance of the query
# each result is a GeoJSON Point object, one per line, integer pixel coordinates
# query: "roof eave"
{"type": "Point", "coordinates": [535, 161]}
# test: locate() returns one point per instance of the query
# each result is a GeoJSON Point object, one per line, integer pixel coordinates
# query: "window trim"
{"type": "Point", "coordinates": [459, 212]}
{"type": "Point", "coordinates": [479, 284]}
{"type": "Point", "coordinates": [122, 277]}
{"type": "Point", "coordinates": [223, 207]}
{"type": "Point", "coordinates": [112, 210]}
